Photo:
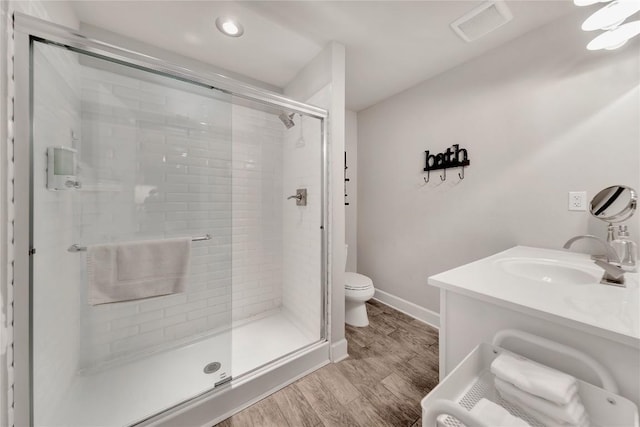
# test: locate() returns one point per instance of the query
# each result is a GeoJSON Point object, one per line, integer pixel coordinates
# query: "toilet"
{"type": "Point", "coordinates": [358, 289]}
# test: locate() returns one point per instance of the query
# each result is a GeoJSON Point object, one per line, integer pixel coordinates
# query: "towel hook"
{"type": "Point", "coordinates": [461, 175]}
{"type": "Point", "coordinates": [445, 175]}
{"type": "Point", "coordinates": [426, 180]}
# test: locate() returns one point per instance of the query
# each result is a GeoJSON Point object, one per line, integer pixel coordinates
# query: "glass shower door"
{"type": "Point", "coordinates": [123, 156]}
{"type": "Point", "coordinates": [277, 250]}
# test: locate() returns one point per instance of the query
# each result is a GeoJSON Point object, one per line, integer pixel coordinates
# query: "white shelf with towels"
{"type": "Point", "coordinates": [449, 404]}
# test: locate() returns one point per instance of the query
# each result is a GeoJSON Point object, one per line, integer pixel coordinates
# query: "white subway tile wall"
{"type": "Point", "coordinates": [155, 161]}
{"type": "Point", "coordinates": [164, 162]}
{"type": "Point", "coordinates": [257, 212]}
{"type": "Point", "coordinates": [302, 246]}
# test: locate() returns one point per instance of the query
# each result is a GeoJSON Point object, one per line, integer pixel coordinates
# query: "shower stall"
{"type": "Point", "coordinates": [114, 148]}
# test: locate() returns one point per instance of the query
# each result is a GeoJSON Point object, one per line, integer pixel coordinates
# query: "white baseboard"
{"type": "Point", "coordinates": [339, 351]}
{"type": "Point", "coordinates": [427, 316]}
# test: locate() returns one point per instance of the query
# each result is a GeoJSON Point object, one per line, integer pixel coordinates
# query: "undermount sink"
{"type": "Point", "coordinates": [551, 271]}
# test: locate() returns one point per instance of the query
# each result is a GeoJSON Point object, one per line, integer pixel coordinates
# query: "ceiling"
{"type": "Point", "coordinates": [390, 45]}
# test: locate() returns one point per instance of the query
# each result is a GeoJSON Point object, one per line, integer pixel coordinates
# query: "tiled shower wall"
{"type": "Point", "coordinates": [302, 167]}
{"type": "Point", "coordinates": [257, 195]}
{"type": "Point", "coordinates": [160, 159]}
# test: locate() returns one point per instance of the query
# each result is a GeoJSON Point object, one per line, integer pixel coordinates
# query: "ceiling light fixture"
{"type": "Point", "coordinates": [611, 18]}
{"type": "Point", "coordinates": [611, 15]}
{"type": "Point", "coordinates": [229, 26]}
{"type": "Point", "coordinates": [615, 38]}
{"type": "Point", "coordinates": [588, 2]}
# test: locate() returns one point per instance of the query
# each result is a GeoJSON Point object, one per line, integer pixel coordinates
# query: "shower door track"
{"type": "Point", "coordinates": [57, 34]}
{"type": "Point", "coordinates": [28, 29]}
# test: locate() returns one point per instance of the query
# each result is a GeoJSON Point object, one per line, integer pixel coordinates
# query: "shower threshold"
{"type": "Point", "coordinates": [128, 393]}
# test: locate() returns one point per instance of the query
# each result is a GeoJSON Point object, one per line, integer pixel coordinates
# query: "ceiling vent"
{"type": "Point", "coordinates": [482, 20]}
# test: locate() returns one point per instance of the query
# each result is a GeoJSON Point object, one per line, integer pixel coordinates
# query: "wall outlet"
{"type": "Point", "coordinates": [577, 200]}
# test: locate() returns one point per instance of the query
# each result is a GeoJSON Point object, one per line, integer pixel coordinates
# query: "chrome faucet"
{"type": "Point", "coordinates": [613, 274]}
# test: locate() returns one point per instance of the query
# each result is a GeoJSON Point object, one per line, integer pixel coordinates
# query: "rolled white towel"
{"type": "Point", "coordinates": [535, 378]}
{"type": "Point", "coordinates": [544, 419]}
{"type": "Point", "coordinates": [550, 422]}
{"type": "Point", "coordinates": [572, 413]}
{"type": "Point", "coordinates": [495, 415]}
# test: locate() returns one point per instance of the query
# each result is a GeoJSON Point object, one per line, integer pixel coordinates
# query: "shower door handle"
{"type": "Point", "coordinates": [300, 196]}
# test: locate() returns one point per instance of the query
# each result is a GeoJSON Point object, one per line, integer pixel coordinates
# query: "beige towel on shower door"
{"type": "Point", "coordinates": [135, 270]}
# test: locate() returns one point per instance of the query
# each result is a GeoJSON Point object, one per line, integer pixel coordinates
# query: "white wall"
{"type": "Point", "coordinates": [540, 116]}
{"type": "Point", "coordinates": [328, 68]}
{"type": "Point", "coordinates": [351, 210]}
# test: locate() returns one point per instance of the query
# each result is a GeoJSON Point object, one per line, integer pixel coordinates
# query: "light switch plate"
{"type": "Point", "coordinates": [577, 200]}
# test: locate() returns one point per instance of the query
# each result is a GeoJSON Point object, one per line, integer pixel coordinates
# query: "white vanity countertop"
{"type": "Point", "coordinates": [608, 311]}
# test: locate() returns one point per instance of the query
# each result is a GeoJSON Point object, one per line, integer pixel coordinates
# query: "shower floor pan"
{"type": "Point", "coordinates": [129, 393]}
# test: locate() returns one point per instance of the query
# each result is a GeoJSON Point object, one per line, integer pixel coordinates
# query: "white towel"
{"type": "Point", "coordinates": [550, 422]}
{"type": "Point", "coordinates": [134, 270]}
{"type": "Point", "coordinates": [572, 413]}
{"type": "Point", "coordinates": [535, 378]}
{"type": "Point", "coordinates": [544, 419]}
{"type": "Point", "coordinates": [495, 415]}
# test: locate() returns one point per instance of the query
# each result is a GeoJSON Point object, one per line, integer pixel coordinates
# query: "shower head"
{"type": "Point", "coordinates": [287, 119]}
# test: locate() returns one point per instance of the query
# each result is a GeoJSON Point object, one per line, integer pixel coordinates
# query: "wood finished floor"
{"type": "Point", "coordinates": [393, 364]}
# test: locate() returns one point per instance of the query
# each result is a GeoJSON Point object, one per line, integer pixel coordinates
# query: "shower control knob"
{"type": "Point", "coordinates": [300, 197]}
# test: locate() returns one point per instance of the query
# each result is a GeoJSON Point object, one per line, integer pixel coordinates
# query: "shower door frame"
{"type": "Point", "coordinates": [28, 30]}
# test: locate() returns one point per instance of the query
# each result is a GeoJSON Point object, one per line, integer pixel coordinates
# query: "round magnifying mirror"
{"type": "Point", "coordinates": [614, 204]}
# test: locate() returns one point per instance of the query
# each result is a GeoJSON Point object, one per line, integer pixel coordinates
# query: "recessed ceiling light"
{"type": "Point", "coordinates": [229, 26]}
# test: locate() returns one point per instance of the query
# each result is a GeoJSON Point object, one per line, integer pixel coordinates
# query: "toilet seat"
{"type": "Point", "coordinates": [356, 281]}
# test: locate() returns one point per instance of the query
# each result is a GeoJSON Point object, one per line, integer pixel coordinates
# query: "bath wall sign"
{"type": "Point", "coordinates": [453, 157]}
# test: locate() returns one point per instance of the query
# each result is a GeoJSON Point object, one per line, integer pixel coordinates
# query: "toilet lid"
{"type": "Point", "coordinates": [357, 281]}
